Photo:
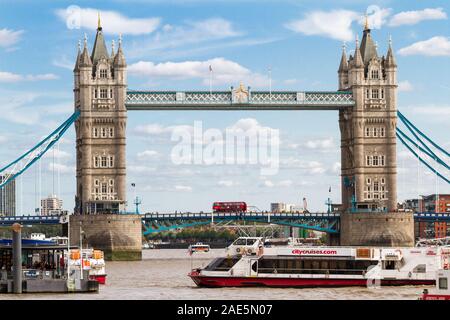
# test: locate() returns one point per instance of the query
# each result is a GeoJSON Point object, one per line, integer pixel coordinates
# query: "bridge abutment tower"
{"type": "Point", "coordinates": [100, 83]}
{"type": "Point", "coordinates": [368, 150]}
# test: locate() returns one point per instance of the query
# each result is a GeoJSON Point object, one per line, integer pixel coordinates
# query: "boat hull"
{"type": "Point", "coordinates": [218, 282]}
{"type": "Point", "coordinates": [101, 278]}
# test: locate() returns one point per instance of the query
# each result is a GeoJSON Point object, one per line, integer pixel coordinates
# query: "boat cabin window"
{"type": "Point", "coordinates": [392, 264]}
{"type": "Point", "coordinates": [420, 268]}
{"type": "Point", "coordinates": [443, 283]}
{"type": "Point", "coordinates": [255, 266]}
{"type": "Point", "coordinates": [240, 242]}
{"type": "Point", "coordinates": [222, 264]}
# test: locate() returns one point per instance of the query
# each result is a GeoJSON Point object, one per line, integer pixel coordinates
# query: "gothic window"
{"type": "Point", "coordinates": [382, 160]}
{"type": "Point", "coordinates": [375, 94]}
{"type": "Point", "coordinates": [103, 73]}
{"type": "Point", "coordinates": [111, 182]}
{"type": "Point", "coordinates": [104, 162]}
{"type": "Point", "coordinates": [111, 161]}
{"type": "Point", "coordinates": [103, 93]}
{"type": "Point", "coordinates": [95, 94]}
{"type": "Point", "coordinates": [104, 188]}
{"type": "Point", "coordinates": [367, 94]}
{"type": "Point", "coordinates": [95, 132]}
{"type": "Point", "coordinates": [374, 74]}
{"type": "Point", "coordinates": [111, 132]}
{"type": "Point", "coordinates": [375, 186]}
{"type": "Point", "coordinates": [381, 131]}
{"type": "Point", "coordinates": [375, 132]}
{"type": "Point", "coordinates": [367, 132]}
{"type": "Point", "coordinates": [369, 160]}
{"type": "Point", "coordinates": [382, 93]}
{"type": "Point", "coordinates": [375, 161]}
{"type": "Point", "coordinates": [382, 180]}
{"type": "Point", "coordinates": [104, 132]}
{"type": "Point", "coordinates": [110, 93]}
{"type": "Point", "coordinates": [96, 162]}
{"type": "Point", "coordinates": [369, 181]}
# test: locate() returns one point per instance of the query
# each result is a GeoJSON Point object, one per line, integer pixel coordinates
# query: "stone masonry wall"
{"type": "Point", "coordinates": [119, 236]}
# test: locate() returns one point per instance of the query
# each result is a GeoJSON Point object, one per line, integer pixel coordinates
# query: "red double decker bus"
{"type": "Point", "coordinates": [229, 207]}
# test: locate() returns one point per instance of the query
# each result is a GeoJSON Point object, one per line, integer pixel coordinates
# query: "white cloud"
{"type": "Point", "coordinates": [436, 46]}
{"type": "Point", "coordinates": [414, 17]}
{"type": "Point", "coordinates": [337, 24]}
{"type": "Point", "coordinates": [225, 183]}
{"type": "Point", "coordinates": [225, 72]}
{"type": "Point", "coordinates": [191, 33]}
{"type": "Point", "coordinates": [13, 77]}
{"type": "Point", "coordinates": [183, 188]}
{"type": "Point", "coordinates": [270, 184]}
{"type": "Point", "coordinates": [334, 24]}
{"type": "Point", "coordinates": [376, 17]}
{"type": "Point", "coordinates": [112, 22]}
{"type": "Point", "coordinates": [440, 111]}
{"type": "Point", "coordinates": [140, 169]}
{"type": "Point", "coordinates": [61, 168]}
{"type": "Point", "coordinates": [405, 86]}
{"type": "Point", "coordinates": [148, 154]}
{"type": "Point", "coordinates": [322, 145]}
{"type": "Point", "coordinates": [58, 154]}
{"type": "Point", "coordinates": [9, 38]}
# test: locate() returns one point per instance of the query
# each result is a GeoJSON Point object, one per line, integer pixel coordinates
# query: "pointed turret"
{"type": "Point", "coordinates": [390, 59]}
{"type": "Point", "coordinates": [368, 48]}
{"type": "Point", "coordinates": [77, 62]}
{"type": "Point", "coordinates": [99, 51]}
{"type": "Point", "coordinates": [119, 59]}
{"type": "Point", "coordinates": [343, 66]}
{"type": "Point", "coordinates": [358, 61]}
{"type": "Point", "coordinates": [85, 60]}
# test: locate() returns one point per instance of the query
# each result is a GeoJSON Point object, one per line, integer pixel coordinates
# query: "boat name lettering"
{"type": "Point", "coordinates": [313, 251]}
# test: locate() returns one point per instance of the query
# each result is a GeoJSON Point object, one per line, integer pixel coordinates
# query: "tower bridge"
{"type": "Point", "coordinates": [366, 103]}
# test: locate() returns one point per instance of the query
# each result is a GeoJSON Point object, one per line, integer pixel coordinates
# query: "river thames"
{"type": "Point", "coordinates": [162, 274]}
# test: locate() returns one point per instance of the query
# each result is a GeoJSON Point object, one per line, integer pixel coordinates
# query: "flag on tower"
{"type": "Point", "coordinates": [329, 190]}
{"type": "Point", "coordinates": [210, 68]}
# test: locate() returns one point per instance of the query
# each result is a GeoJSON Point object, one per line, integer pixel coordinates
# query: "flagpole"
{"type": "Point", "coordinates": [210, 82]}
{"type": "Point", "coordinates": [270, 83]}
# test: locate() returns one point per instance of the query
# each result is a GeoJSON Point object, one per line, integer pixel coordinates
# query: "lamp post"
{"type": "Point", "coordinates": [81, 252]}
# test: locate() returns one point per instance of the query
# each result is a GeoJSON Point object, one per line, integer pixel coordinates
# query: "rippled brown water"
{"type": "Point", "coordinates": [162, 274]}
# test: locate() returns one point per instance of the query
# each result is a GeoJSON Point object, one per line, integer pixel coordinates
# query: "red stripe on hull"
{"type": "Point", "coordinates": [205, 281]}
{"type": "Point", "coordinates": [435, 297]}
{"type": "Point", "coordinates": [101, 279]}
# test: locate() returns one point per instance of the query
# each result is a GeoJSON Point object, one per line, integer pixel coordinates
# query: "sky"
{"type": "Point", "coordinates": [169, 45]}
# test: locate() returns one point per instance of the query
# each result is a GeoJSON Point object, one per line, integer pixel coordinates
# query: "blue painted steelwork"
{"type": "Point", "coordinates": [406, 121]}
{"type": "Point", "coordinates": [431, 216]}
{"type": "Point", "coordinates": [29, 220]}
{"type": "Point", "coordinates": [325, 222]}
{"type": "Point", "coordinates": [38, 150]}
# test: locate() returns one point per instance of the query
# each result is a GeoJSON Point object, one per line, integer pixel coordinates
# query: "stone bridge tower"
{"type": "Point", "coordinates": [99, 92]}
{"type": "Point", "coordinates": [368, 149]}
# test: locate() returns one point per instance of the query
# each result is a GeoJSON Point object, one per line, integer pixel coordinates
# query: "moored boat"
{"type": "Point", "coordinates": [198, 247]}
{"type": "Point", "coordinates": [250, 263]}
{"type": "Point", "coordinates": [91, 260]}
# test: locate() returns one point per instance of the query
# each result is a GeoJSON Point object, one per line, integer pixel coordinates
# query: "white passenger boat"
{"type": "Point", "coordinates": [249, 262]}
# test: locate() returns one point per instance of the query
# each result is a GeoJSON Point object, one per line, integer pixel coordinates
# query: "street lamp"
{"type": "Point", "coordinates": [137, 201]}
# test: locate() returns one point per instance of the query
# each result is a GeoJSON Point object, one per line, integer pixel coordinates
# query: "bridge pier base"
{"type": "Point", "coordinates": [392, 229]}
{"type": "Point", "coordinates": [118, 236]}
{"type": "Point", "coordinates": [334, 239]}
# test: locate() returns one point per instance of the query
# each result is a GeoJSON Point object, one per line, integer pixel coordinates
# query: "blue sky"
{"type": "Point", "coordinates": [170, 44]}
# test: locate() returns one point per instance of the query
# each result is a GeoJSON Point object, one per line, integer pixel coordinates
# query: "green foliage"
{"type": "Point", "coordinates": [48, 230]}
{"type": "Point", "coordinates": [194, 234]}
